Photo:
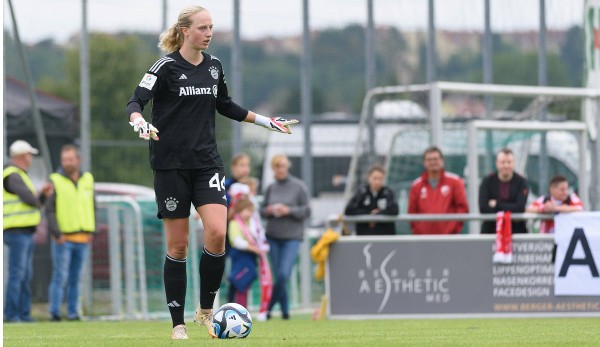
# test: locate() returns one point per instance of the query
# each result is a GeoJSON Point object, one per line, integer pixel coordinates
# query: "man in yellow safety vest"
{"type": "Point", "coordinates": [71, 222]}
{"type": "Point", "coordinates": [21, 203]}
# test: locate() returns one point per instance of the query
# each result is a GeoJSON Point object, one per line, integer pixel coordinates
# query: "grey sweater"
{"type": "Point", "coordinates": [293, 193]}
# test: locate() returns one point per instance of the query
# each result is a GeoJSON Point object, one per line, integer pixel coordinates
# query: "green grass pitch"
{"type": "Point", "coordinates": [301, 331]}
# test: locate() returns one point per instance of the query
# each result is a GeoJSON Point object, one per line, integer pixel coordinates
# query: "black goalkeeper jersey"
{"type": "Point", "coordinates": [185, 98]}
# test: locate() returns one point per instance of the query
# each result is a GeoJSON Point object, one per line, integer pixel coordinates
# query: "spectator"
{"type": "Point", "coordinates": [21, 215]}
{"type": "Point", "coordinates": [239, 190]}
{"type": "Point", "coordinates": [285, 208]}
{"type": "Point", "coordinates": [247, 188]}
{"type": "Point", "coordinates": [504, 190]}
{"type": "Point", "coordinates": [252, 183]}
{"type": "Point", "coordinates": [71, 222]}
{"type": "Point", "coordinates": [240, 169]}
{"type": "Point", "coordinates": [557, 201]}
{"type": "Point", "coordinates": [374, 198]}
{"type": "Point", "coordinates": [437, 191]}
{"type": "Point", "coordinates": [246, 243]}
{"type": "Point", "coordinates": [265, 276]}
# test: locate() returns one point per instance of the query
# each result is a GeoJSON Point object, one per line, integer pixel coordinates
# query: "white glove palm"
{"type": "Point", "coordinates": [146, 130]}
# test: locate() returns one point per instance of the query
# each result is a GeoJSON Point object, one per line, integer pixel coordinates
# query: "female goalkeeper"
{"type": "Point", "coordinates": [188, 87]}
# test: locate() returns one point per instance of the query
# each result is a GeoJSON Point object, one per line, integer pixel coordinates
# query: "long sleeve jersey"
{"type": "Point", "coordinates": [185, 98]}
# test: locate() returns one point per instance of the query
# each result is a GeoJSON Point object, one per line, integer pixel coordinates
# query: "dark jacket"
{"type": "Point", "coordinates": [518, 192]}
{"type": "Point", "coordinates": [363, 202]}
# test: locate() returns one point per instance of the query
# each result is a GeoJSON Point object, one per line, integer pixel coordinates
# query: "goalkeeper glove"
{"type": "Point", "coordinates": [146, 130]}
{"type": "Point", "coordinates": [277, 124]}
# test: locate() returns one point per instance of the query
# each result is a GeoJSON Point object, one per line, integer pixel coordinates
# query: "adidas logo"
{"type": "Point", "coordinates": [183, 77]}
{"type": "Point", "coordinates": [173, 304]}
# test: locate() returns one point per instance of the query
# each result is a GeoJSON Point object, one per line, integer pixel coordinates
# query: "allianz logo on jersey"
{"type": "Point", "coordinates": [191, 90]}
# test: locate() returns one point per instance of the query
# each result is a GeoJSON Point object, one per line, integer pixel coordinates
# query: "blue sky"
{"type": "Point", "coordinates": [59, 19]}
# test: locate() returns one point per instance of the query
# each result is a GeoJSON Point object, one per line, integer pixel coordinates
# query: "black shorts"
{"type": "Point", "coordinates": [178, 188]}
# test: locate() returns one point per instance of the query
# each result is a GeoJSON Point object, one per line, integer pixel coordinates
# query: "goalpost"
{"type": "Point", "coordinates": [503, 116]}
{"type": "Point", "coordinates": [579, 128]}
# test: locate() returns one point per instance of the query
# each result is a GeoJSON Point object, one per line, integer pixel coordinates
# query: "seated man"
{"type": "Point", "coordinates": [376, 199]}
{"type": "Point", "coordinates": [558, 201]}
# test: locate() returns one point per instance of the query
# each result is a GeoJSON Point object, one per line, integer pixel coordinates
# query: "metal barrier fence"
{"type": "Point", "coordinates": [123, 277]}
{"type": "Point", "coordinates": [115, 283]}
{"type": "Point", "coordinates": [335, 220]}
{"type": "Point", "coordinates": [124, 273]}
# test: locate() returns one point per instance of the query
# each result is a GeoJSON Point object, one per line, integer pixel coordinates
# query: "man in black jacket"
{"type": "Point", "coordinates": [504, 190]}
{"type": "Point", "coordinates": [376, 199]}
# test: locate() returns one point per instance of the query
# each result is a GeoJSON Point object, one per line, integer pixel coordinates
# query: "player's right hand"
{"type": "Point", "coordinates": [146, 130]}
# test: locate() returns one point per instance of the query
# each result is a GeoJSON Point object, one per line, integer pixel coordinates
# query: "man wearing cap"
{"type": "Point", "coordinates": [21, 215]}
{"type": "Point", "coordinates": [71, 222]}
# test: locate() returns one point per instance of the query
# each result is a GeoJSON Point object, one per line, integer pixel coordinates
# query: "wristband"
{"type": "Point", "coordinates": [262, 120]}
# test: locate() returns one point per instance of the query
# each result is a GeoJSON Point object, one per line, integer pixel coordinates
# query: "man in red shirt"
{"type": "Point", "coordinates": [437, 191]}
{"type": "Point", "coordinates": [558, 201]}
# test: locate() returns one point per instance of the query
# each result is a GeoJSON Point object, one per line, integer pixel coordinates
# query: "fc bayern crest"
{"type": "Point", "coordinates": [171, 204]}
{"type": "Point", "coordinates": [214, 72]}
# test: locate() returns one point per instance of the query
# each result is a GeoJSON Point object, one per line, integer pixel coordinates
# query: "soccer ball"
{"type": "Point", "coordinates": [232, 321]}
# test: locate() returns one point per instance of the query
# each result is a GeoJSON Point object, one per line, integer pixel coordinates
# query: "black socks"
{"type": "Point", "coordinates": [175, 284]}
{"type": "Point", "coordinates": [175, 278]}
{"type": "Point", "coordinates": [211, 273]}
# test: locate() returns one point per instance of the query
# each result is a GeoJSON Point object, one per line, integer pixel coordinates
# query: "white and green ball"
{"type": "Point", "coordinates": [232, 321]}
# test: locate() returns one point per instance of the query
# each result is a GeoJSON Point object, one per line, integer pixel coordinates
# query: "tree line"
{"type": "Point", "coordinates": [271, 78]}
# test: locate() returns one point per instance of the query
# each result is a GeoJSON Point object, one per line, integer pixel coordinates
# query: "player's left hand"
{"type": "Point", "coordinates": [282, 125]}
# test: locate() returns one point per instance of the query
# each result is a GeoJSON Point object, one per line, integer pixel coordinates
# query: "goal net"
{"type": "Point", "coordinates": [417, 117]}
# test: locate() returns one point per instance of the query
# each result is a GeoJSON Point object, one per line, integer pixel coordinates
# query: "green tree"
{"type": "Point", "coordinates": [117, 63]}
{"type": "Point", "coordinates": [45, 60]}
{"type": "Point", "coordinates": [271, 78]}
{"type": "Point", "coordinates": [293, 101]}
{"type": "Point", "coordinates": [571, 52]}
{"type": "Point", "coordinates": [462, 67]}
{"type": "Point", "coordinates": [522, 68]}
{"type": "Point", "coordinates": [391, 62]}
{"type": "Point", "coordinates": [339, 66]}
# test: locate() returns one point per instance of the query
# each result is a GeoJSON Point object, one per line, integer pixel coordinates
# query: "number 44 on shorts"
{"type": "Point", "coordinates": [215, 183]}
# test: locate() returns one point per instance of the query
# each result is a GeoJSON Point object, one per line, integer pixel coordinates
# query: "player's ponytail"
{"type": "Point", "coordinates": [172, 39]}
